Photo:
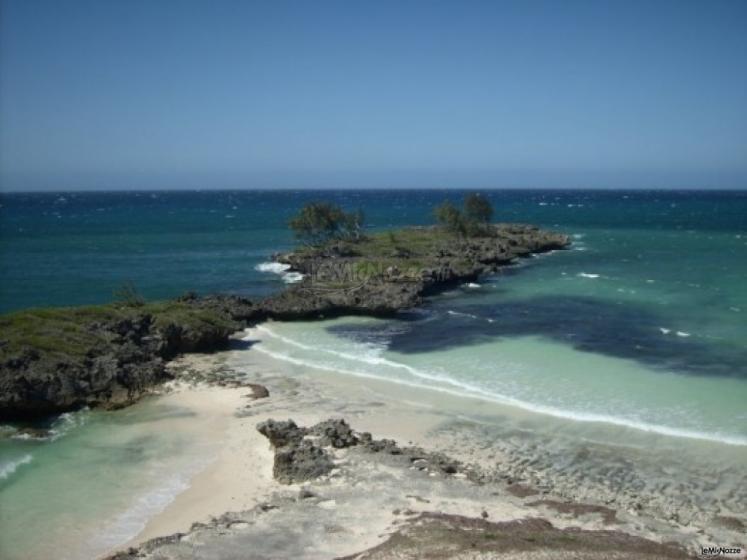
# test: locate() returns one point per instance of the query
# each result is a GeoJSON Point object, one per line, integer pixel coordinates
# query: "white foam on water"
{"type": "Point", "coordinates": [472, 285]}
{"type": "Point", "coordinates": [7, 469]}
{"type": "Point", "coordinates": [280, 269]}
{"type": "Point", "coordinates": [462, 389]}
{"type": "Point", "coordinates": [665, 331]}
{"type": "Point", "coordinates": [460, 314]}
{"type": "Point", "coordinates": [683, 334]}
{"type": "Point", "coordinates": [274, 267]}
{"type": "Point", "coordinates": [68, 421]}
{"type": "Point", "coordinates": [587, 275]}
{"type": "Point", "coordinates": [145, 507]}
{"type": "Point", "coordinates": [292, 277]}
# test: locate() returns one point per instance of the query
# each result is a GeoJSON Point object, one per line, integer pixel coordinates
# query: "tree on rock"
{"type": "Point", "coordinates": [320, 222]}
{"type": "Point", "coordinates": [450, 217]}
{"type": "Point", "coordinates": [473, 220]}
{"type": "Point", "coordinates": [477, 209]}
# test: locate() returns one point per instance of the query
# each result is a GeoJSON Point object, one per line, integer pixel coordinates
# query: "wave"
{"type": "Point", "coordinates": [280, 269]}
{"type": "Point", "coordinates": [7, 469]}
{"type": "Point", "coordinates": [68, 421]}
{"type": "Point", "coordinates": [131, 522]}
{"type": "Point", "coordinates": [463, 389]}
{"type": "Point", "coordinates": [274, 267]}
{"type": "Point", "coordinates": [472, 285]}
{"type": "Point", "coordinates": [587, 275]}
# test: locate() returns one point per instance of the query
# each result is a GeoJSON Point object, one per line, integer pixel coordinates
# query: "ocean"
{"type": "Point", "coordinates": [639, 330]}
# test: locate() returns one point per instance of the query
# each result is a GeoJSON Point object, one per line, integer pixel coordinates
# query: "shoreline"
{"type": "Point", "coordinates": [415, 415]}
{"type": "Point", "coordinates": [464, 391]}
{"type": "Point", "coordinates": [109, 356]}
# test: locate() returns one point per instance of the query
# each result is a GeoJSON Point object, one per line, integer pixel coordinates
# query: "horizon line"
{"type": "Point", "coordinates": [372, 189]}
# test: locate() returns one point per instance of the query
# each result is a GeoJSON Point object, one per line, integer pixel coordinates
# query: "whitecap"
{"type": "Point", "coordinates": [7, 469]}
{"type": "Point", "coordinates": [274, 267]}
{"type": "Point", "coordinates": [683, 334]}
{"type": "Point", "coordinates": [665, 331]}
{"type": "Point", "coordinates": [472, 285]}
{"type": "Point", "coordinates": [587, 275]}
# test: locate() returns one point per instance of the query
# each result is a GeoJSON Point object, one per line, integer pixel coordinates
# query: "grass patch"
{"type": "Point", "coordinates": [70, 333]}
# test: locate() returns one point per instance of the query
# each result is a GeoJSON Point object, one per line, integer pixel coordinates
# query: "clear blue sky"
{"type": "Point", "coordinates": [109, 94]}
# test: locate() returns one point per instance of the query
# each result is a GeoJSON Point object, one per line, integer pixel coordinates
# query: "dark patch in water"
{"type": "Point", "coordinates": [587, 324]}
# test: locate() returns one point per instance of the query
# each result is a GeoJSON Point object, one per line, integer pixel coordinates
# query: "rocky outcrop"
{"type": "Point", "coordinates": [304, 453]}
{"type": "Point", "coordinates": [52, 361]}
{"type": "Point", "coordinates": [342, 279]}
{"type": "Point", "coordinates": [96, 358]}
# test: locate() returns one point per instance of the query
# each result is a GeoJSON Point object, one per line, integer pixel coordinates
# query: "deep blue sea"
{"type": "Point", "coordinates": [636, 335]}
{"type": "Point", "coordinates": [77, 248]}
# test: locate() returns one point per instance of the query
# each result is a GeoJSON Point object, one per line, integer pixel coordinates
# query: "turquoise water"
{"type": "Point", "coordinates": [95, 481]}
{"type": "Point", "coordinates": [640, 328]}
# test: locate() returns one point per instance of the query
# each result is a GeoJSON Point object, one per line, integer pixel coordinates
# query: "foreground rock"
{"type": "Point", "coordinates": [303, 454]}
{"type": "Point", "coordinates": [55, 360]}
{"type": "Point", "coordinates": [372, 499]}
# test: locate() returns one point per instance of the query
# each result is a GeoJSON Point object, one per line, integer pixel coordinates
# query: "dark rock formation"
{"type": "Point", "coordinates": [65, 359]}
{"type": "Point", "coordinates": [300, 453]}
{"type": "Point", "coordinates": [296, 458]}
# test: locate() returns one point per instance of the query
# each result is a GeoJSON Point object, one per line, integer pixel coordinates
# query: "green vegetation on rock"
{"type": "Point", "coordinates": [321, 222]}
{"type": "Point", "coordinates": [472, 221]}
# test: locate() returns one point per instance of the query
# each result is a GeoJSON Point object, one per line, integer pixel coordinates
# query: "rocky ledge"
{"type": "Point", "coordinates": [387, 272]}
{"type": "Point", "coordinates": [55, 360]}
{"type": "Point", "coordinates": [364, 498]}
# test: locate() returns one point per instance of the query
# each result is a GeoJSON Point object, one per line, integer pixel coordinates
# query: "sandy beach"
{"type": "Point", "coordinates": [501, 483]}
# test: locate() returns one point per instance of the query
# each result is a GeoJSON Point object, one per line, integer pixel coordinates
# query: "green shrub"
{"type": "Point", "coordinates": [473, 220]}
{"type": "Point", "coordinates": [128, 295]}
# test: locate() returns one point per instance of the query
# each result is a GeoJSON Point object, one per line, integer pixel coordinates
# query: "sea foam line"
{"type": "Point", "coordinates": [145, 507]}
{"type": "Point", "coordinates": [469, 390]}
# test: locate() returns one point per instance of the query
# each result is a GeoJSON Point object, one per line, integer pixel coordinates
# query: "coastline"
{"type": "Point", "coordinates": [434, 421]}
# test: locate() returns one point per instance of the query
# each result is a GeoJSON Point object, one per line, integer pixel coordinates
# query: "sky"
{"type": "Point", "coordinates": [162, 94]}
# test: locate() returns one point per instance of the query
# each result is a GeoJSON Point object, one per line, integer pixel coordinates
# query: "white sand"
{"type": "Point", "coordinates": [240, 476]}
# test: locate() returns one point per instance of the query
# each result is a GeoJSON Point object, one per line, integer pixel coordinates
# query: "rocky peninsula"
{"type": "Point", "coordinates": [56, 360]}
